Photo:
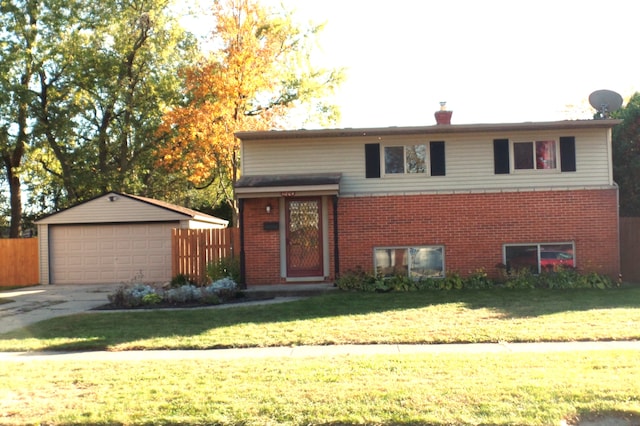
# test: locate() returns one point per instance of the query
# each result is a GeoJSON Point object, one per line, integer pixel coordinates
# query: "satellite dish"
{"type": "Point", "coordinates": [605, 102]}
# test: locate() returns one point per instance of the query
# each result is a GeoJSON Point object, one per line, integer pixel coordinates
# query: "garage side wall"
{"type": "Point", "coordinates": [43, 253]}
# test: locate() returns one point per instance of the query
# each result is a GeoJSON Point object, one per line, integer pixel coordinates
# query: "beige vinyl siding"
{"type": "Point", "coordinates": [43, 253]}
{"type": "Point", "coordinates": [123, 209]}
{"type": "Point", "coordinates": [469, 162]}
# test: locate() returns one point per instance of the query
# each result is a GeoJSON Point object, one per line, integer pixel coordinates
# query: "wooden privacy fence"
{"type": "Point", "coordinates": [193, 249]}
{"type": "Point", "coordinates": [19, 262]}
{"type": "Point", "coordinates": [630, 249]}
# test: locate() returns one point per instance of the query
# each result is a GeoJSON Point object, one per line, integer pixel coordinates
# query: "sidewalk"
{"type": "Point", "coordinates": [320, 351]}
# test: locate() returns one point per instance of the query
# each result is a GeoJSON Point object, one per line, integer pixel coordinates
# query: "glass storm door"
{"type": "Point", "coordinates": [304, 237]}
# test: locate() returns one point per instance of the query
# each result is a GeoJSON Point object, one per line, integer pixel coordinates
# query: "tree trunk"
{"type": "Point", "coordinates": [15, 192]}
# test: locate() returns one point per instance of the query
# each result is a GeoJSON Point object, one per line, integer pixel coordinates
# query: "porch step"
{"type": "Point", "coordinates": [290, 290]}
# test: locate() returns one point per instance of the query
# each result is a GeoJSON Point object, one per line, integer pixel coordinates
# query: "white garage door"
{"type": "Point", "coordinates": [118, 253]}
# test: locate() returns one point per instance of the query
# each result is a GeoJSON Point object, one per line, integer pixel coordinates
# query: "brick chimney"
{"type": "Point", "coordinates": [443, 116]}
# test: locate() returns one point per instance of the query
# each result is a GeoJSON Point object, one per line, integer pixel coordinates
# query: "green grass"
{"type": "Point", "coordinates": [496, 389]}
{"type": "Point", "coordinates": [416, 389]}
{"type": "Point", "coordinates": [353, 318]}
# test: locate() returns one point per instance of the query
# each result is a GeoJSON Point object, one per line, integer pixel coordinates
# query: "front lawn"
{"type": "Point", "coordinates": [416, 389]}
{"type": "Point", "coordinates": [421, 389]}
{"type": "Point", "coordinates": [353, 318]}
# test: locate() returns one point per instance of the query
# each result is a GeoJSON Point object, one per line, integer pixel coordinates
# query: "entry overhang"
{"type": "Point", "coordinates": [288, 185]}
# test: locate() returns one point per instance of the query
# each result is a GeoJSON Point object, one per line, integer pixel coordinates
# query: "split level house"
{"type": "Point", "coordinates": [426, 201]}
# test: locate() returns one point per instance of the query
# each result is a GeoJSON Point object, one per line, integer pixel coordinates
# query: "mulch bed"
{"type": "Point", "coordinates": [237, 300]}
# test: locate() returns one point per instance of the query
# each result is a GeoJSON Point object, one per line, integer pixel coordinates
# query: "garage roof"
{"type": "Point", "coordinates": [118, 207]}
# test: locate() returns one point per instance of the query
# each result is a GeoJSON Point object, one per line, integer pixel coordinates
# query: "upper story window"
{"type": "Point", "coordinates": [538, 155]}
{"type": "Point", "coordinates": [427, 159]}
{"type": "Point", "coordinates": [405, 159]}
{"type": "Point", "coordinates": [510, 157]}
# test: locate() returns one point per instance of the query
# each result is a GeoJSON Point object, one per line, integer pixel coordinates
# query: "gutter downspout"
{"type": "Point", "coordinates": [336, 245]}
{"type": "Point", "coordinates": [243, 283]}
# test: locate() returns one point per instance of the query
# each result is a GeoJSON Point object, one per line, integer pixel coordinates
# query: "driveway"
{"type": "Point", "coordinates": [42, 302]}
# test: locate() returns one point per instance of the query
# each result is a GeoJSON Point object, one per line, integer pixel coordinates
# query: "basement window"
{"type": "Point", "coordinates": [415, 262]}
{"type": "Point", "coordinates": [539, 257]}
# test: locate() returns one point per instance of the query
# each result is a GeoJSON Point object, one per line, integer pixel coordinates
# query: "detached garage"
{"type": "Point", "coordinates": [114, 238]}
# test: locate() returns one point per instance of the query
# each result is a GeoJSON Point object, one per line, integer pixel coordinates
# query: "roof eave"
{"type": "Point", "coordinates": [434, 129]}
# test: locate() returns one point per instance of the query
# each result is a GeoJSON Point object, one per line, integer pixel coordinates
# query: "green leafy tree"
{"type": "Point", "coordinates": [258, 73]}
{"type": "Point", "coordinates": [626, 156]}
{"type": "Point", "coordinates": [83, 86]}
{"type": "Point", "coordinates": [102, 92]}
{"type": "Point", "coordinates": [19, 21]}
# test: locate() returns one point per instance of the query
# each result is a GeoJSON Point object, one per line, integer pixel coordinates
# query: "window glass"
{"type": "Point", "coordinates": [405, 159]}
{"type": "Point", "coordinates": [553, 256]}
{"type": "Point", "coordinates": [391, 262]}
{"type": "Point", "coordinates": [522, 257]}
{"type": "Point", "coordinates": [545, 154]}
{"type": "Point", "coordinates": [426, 262]}
{"type": "Point", "coordinates": [416, 158]}
{"type": "Point", "coordinates": [416, 262]}
{"type": "Point", "coordinates": [523, 155]}
{"type": "Point", "coordinates": [393, 159]}
{"type": "Point", "coordinates": [539, 257]}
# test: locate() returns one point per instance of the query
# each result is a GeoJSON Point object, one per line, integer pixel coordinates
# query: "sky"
{"type": "Point", "coordinates": [491, 61]}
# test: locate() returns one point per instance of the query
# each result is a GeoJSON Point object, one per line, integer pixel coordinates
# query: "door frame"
{"type": "Point", "coordinates": [324, 225]}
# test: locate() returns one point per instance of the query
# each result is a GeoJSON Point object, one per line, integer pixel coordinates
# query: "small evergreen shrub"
{"type": "Point", "coordinates": [226, 267]}
{"type": "Point", "coordinates": [131, 297]}
{"type": "Point", "coordinates": [180, 280]}
{"type": "Point", "coordinates": [560, 278]}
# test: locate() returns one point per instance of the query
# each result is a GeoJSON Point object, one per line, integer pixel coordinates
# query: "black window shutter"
{"type": "Point", "coordinates": [501, 156]}
{"type": "Point", "coordinates": [436, 151]}
{"type": "Point", "coordinates": [568, 154]}
{"type": "Point", "coordinates": [372, 160]}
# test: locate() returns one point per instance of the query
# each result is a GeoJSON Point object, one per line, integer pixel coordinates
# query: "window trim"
{"type": "Point", "coordinates": [383, 160]}
{"type": "Point", "coordinates": [435, 159]}
{"type": "Point", "coordinates": [407, 248]}
{"type": "Point", "coordinates": [566, 162]}
{"type": "Point", "coordinates": [538, 246]}
{"type": "Point", "coordinates": [534, 170]}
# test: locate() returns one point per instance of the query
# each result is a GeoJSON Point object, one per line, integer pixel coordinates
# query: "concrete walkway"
{"type": "Point", "coordinates": [319, 351]}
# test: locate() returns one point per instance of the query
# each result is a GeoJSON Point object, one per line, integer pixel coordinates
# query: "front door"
{"type": "Point", "coordinates": [304, 237]}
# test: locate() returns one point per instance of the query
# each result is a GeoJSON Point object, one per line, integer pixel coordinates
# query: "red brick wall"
{"type": "Point", "coordinates": [474, 227]}
{"type": "Point", "coordinates": [471, 227]}
{"type": "Point", "coordinates": [261, 248]}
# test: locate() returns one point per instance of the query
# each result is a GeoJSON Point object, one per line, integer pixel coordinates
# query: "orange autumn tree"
{"type": "Point", "coordinates": [257, 73]}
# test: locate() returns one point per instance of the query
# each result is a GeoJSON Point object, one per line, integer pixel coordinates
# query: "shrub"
{"type": "Point", "coordinates": [184, 294]}
{"type": "Point", "coordinates": [562, 278]}
{"type": "Point", "coordinates": [145, 295]}
{"type": "Point", "coordinates": [180, 280]}
{"type": "Point", "coordinates": [130, 297]}
{"type": "Point", "coordinates": [226, 267]}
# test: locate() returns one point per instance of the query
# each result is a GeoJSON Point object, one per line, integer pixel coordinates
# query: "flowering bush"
{"type": "Point", "coordinates": [146, 295]}
{"type": "Point", "coordinates": [184, 294]}
{"type": "Point", "coordinates": [130, 297]}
